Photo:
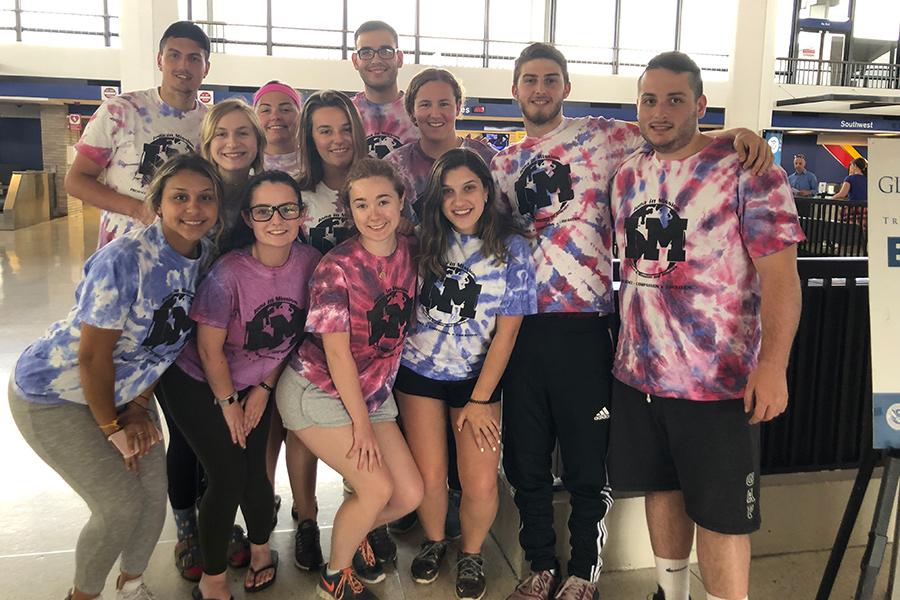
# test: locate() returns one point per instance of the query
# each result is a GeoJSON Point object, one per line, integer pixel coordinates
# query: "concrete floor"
{"type": "Point", "coordinates": [40, 516]}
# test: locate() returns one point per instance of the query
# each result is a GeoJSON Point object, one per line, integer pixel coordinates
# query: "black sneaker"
{"type": "Point", "coordinates": [366, 565]}
{"type": "Point", "coordinates": [343, 585]}
{"type": "Point", "coordinates": [404, 524]}
{"type": "Point", "coordinates": [307, 550]}
{"type": "Point", "coordinates": [383, 545]}
{"type": "Point", "coordinates": [427, 563]}
{"type": "Point", "coordinates": [659, 595]}
{"type": "Point", "coordinates": [470, 583]}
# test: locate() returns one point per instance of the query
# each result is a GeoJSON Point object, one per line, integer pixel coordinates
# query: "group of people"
{"type": "Point", "coordinates": [311, 273]}
{"type": "Point", "coordinates": [854, 188]}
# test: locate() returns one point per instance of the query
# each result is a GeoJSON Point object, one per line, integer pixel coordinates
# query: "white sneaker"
{"type": "Point", "coordinates": [135, 590]}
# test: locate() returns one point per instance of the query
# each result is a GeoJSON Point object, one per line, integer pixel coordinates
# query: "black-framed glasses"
{"type": "Point", "coordinates": [368, 53]}
{"type": "Point", "coordinates": [263, 212]}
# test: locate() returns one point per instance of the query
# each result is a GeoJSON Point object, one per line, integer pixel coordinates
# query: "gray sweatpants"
{"type": "Point", "coordinates": [127, 508]}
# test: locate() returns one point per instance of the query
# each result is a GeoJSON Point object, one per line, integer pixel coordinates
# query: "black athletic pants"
{"type": "Point", "coordinates": [556, 387]}
{"type": "Point", "coordinates": [186, 479]}
{"type": "Point", "coordinates": [235, 476]}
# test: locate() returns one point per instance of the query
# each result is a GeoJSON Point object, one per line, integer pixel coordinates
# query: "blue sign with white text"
{"type": "Point", "coordinates": [886, 420]}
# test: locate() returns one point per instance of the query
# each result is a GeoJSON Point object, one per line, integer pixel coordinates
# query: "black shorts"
{"type": "Point", "coordinates": [708, 450]}
{"type": "Point", "coordinates": [454, 393]}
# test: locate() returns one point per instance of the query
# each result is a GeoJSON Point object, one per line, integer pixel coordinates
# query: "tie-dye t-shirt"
{"type": "Point", "coordinates": [456, 315]}
{"type": "Point", "coordinates": [687, 233]}
{"type": "Point", "coordinates": [263, 309]}
{"type": "Point", "coordinates": [370, 297]}
{"type": "Point", "coordinates": [414, 167]}
{"type": "Point", "coordinates": [137, 284]}
{"type": "Point", "coordinates": [559, 185]}
{"type": "Point", "coordinates": [289, 163]}
{"type": "Point", "coordinates": [324, 223]}
{"type": "Point", "coordinates": [387, 126]}
{"type": "Point", "coordinates": [130, 136]}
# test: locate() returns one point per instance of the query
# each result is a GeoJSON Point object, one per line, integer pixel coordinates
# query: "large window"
{"type": "Point", "coordinates": [645, 29]}
{"type": "Point", "coordinates": [585, 33]}
{"type": "Point", "coordinates": [84, 23]}
{"type": "Point", "coordinates": [707, 34]}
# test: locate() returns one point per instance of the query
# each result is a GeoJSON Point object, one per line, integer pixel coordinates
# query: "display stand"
{"type": "Point", "coordinates": [875, 549]}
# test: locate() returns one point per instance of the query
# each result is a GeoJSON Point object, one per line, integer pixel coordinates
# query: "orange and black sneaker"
{"type": "Point", "coordinates": [365, 564]}
{"type": "Point", "coordinates": [343, 585]}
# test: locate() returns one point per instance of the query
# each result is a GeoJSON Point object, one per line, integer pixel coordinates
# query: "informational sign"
{"type": "Point", "coordinates": [108, 91]}
{"type": "Point", "coordinates": [74, 122]}
{"type": "Point", "coordinates": [884, 289]}
{"type": "Point", "coordinates": [775, 139]}
{"type": "Point", "coordinates": [206, 97]}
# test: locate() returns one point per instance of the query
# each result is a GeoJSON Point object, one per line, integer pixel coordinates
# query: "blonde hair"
{"type": "Point", "coordinates": [211, 121]}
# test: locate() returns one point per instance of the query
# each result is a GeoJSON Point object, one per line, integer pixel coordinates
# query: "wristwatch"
{"type": "Point", "coordinates": [266, 387]}
{"type": "Point", "coordinates": [228, 400]}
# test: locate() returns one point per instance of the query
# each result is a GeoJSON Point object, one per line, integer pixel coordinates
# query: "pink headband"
{"type": "Point", "coordinates": [277, 86]}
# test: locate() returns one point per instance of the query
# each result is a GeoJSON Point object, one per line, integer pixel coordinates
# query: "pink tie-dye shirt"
{"type": "Point", "coordinates": [130, 136]}
{"type": "Point", "coordinates": [370, 297]}
{"type": "Point", "coordinates": [387, 126]}
{"type": "Point", "coordinates": [687, 232]}
{"type": "Point", "coordinates": [558, 184]}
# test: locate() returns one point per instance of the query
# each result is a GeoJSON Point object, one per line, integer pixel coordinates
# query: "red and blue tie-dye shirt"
{"type": "Point", "coordinates": [370, 297]}
{"type": "Point", "coordinates": [687, 232]}
{"type": "Point", "coordinates": [558, 183]}
{"type": "Point", "coordinates": [387, 126]}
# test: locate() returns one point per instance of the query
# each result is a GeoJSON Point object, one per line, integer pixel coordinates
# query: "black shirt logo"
{"type": "Point", "coordinates": [170, 321]}
{"type": "Point", "coordinates": [328, 233]}
{"type": "Point", "coordinates": [277, 325]}
{"type": "Point", "coordinates": [389, 320]}
{"type": "Point", "coordinates": [161, 149]}
{"type": "Point", "coordinates": [652, 228]}
{"type": "Point", "coordinates": [382, 144]}
{"type": "Point", "coordinates": [451, 299]}
{"type": "Point", "coordinates": [544, 182]}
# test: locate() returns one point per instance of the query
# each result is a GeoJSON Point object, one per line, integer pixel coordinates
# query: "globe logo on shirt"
{"type": "Point", "coordinates": [544, 183]}
{"type": "Point", "coordinates": [382, 144]}
{"type": "Point", "coordinates": [329, 232]}
{"type": "Point", "coordinates": [161, 149]}
{"type": "Point", "coordinates": [389, 321]}
{"type": "Point", "coordinates": [276, 327]}
{"type": "Point", "coordinates": [170, 322]}
{"type": "Point", "coordinates": [655, 239]}
{"type": "Point", "coordinates": [452, 299]}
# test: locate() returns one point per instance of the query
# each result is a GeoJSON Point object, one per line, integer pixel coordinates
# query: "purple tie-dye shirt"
{"type": "Point", "coordinates": [130, 136]}
{"type": "Point", "coordinates": [558, 184]}
{"type": "Point", "coordinates": [289, 163]}
{"type": "Point", "coordinates": [414, 167]}
{"type": "Point", "coordinates": [370, 297]}
{"type": "Point", "coordinates": [387, 126]}
{"type": "Point", "coordinates": [263, 309]}
{"type": "Point", "coordinates": [687, 232]}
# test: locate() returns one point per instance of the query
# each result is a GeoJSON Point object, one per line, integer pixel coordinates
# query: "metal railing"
{"type": "Point", "coordinates": [832, 227]}
{"type": "Point", "coordinates": [804, 71]}
{"type": "Point", "coordinates": [107, 24]}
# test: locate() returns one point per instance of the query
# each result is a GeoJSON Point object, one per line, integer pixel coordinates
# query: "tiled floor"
{"type": "Point", "coordinates": [40, 516]}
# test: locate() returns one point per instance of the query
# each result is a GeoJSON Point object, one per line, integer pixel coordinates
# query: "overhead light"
{"type": "Point", "coordinates": [800, 131]}
{"type": "Point", "coordinates": [23, 99]}
{"type": "Point", "coordinates": [886, 134]}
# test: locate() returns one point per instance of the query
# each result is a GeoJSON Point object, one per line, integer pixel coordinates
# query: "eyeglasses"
{"type": "Point", "coordinates": [263, 212]}
{"type": "Point", "coordinates": [367, 53]}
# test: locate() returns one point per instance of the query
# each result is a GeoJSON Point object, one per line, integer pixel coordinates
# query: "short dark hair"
{"type": "Point", "coordinates": [375, 26]}
{"type": "Point", "coordinates": [677, 62]}
{"type": "Point", "coordinates": [425, 76]}
{"type": "Point", "coordinates": [241, 234]}
{"type": "Point", "coordinates": [185, 29]}
{"type": "Point", "coordinates": [541, 50]}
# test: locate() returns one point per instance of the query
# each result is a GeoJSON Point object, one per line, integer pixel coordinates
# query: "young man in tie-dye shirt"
{"type": "Point", "coordinates": [710, 301]}
{"type": "Point", "coordinates": [559, 380]}
{"type": "Point", "coordinates": [131, 135]}
{"type": "Point", "coordinates": [378, 58]}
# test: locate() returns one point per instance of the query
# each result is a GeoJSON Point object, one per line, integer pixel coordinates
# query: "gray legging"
{"type": "Point", "coordinates": [127, 509]}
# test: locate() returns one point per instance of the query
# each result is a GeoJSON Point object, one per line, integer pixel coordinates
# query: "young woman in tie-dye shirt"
{"type": "Point", "coordinates": [89, 381]}
{"type": "Point", "coordinates": [477, 281]}
{"type": "Point", "coordinates": [336, 395]}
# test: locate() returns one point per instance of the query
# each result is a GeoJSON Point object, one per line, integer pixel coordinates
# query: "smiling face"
{"type": "Point", "coordinates": [668, 112]}
{"type": "Point", "coordinates": [375, 208]}
{"type": "Point", "coordinates": [279, 117]}
{"type": "Point", "coordinates": [540, 91]}
{"type": "Point", "coordinates": [233, 147]}
{"type": "Point", "coordinates": [463, 198]}
{"type": "Point", "coordinates": [277, 232]}
{"type": "Point", "coordinates": [183, 65]}
{"type": "Point", "coordinates": [435, 111]}
{"type": "Point", "coordinates": [188, 210]}
{"type": "Point", "coordinates": [378, 73]}
{"type": "Point", "coordinates": [332, 136]}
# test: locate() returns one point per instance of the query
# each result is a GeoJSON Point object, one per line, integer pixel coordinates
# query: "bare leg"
{"type": "Point", "coordinates": [301, 466]}
{"type": "Point", "coordinates": [671, 530]}
{"type": "Point", "coordinates": [724, 563]}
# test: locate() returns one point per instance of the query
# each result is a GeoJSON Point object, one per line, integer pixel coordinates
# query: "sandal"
{"type": "Point", "coordinates": [238, 549]}
{"type": "Point", "coordinates": [196, 594]}
{"type": "Point", "coordinates": [187, 559]}
{"type": "Point", "coordinates": [255, 573]}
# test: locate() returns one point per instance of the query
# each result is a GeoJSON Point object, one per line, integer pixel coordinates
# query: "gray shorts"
{"type": "Point", "coordinates": [303, 404]}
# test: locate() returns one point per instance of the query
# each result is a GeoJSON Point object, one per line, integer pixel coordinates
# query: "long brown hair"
{"type": "Point", "coordinates": [494, 227]}
{"type": "Point", "coordinates": [311, 169]}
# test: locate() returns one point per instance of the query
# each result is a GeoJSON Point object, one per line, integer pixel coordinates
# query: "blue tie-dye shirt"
{"type": "Point", "coordinates": [456, 315]}
{"type": "Point", "coordinates": [136, 284]}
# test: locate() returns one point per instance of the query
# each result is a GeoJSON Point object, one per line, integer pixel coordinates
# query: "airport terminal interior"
{"type": "Point", "coordinates": [816, 78]}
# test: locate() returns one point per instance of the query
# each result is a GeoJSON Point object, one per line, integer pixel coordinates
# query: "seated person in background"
{"type": "Point", "coordinates": [855, 187]}
{"type": "Point", "coordinates": [803, 182]}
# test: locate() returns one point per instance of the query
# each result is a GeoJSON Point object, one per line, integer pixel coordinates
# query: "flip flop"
{"type": "Point", "coordinates": [273, 564]}
{"type": "Point", "coordinates": [196, 594]}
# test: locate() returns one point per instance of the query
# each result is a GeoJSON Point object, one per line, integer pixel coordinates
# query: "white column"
{"type": "Point", "coordinates": [141, 25]}
{"type": "Point", "coordinates": [752, 66]}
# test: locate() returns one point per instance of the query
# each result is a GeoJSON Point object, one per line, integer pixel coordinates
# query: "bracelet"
{"type": "Point", "coordinates": [474, 401]}
{"type": "Point", "coordinates": [266, 387]}
{"type": "Point", "coordinates": [111, 427]}
{"type": "Point", "coordinates": [228, 400]}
